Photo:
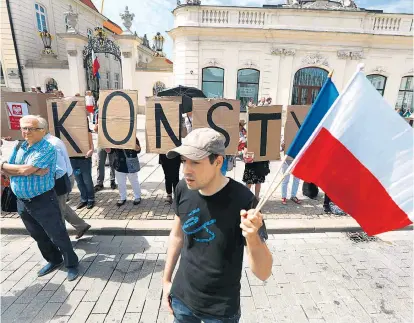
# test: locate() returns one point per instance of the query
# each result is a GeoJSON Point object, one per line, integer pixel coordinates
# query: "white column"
{"type": "Point", "coordinates": [129, 57]}
{"type": "Point", "coordinates": [75, 44]}
{"type": "Point", "coordinates": [285, 80]}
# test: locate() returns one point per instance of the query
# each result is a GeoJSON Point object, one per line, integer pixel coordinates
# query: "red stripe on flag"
{"type": "Point", "coordinates": [350, 185]}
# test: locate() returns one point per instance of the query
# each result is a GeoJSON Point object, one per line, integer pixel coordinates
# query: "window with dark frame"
{"type": "Point", "coordinates": [213, 82]}
{"type": "Point", "coordinates": [378, 81]}
{"type": "Point", "coordinates": [247, 86]}
{"type": "Point", "coordinates": [404, 103]}
{"type": "Point", "coordinates": [307, 83]}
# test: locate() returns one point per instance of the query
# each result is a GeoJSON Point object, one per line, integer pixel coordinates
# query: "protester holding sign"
{"type": "Point", "coordinates": [127, 165]}
{"type": "Point", "coordinates": [295, 183]}
{"type": "Point", "coordinates": [82, 169]}
{"type": "Point", "coordinates": [102, 155]}
{"type": "Point", "coordinates": [210, 231]}
{"type": "Point", "coordinates": [254, 172]}
{"type": "Point", "coordinates": [171, 168]}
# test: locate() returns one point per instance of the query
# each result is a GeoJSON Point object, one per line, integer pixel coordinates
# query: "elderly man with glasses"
{"type": "Point", "coordinates": [32, 168]}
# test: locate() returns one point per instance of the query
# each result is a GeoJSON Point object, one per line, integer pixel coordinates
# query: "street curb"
{"type": "Point", "coordinates": [272, 228]}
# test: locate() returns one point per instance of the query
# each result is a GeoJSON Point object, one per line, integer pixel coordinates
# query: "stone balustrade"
{"type": "Point", "coordinates": [295, 19]}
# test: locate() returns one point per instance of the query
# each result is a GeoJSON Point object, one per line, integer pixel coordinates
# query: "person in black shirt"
{"type": "Point", "coordinates": [210, 231]}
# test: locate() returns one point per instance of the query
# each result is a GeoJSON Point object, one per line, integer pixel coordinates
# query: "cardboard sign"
{"type": "Point", "coordinates": [295, 116]}
{"type": "Point", "coordinates": [221, 115]}
{"type": "Point", "coordinates": [68, 121]}
{"type": "Point", "coordinates": [264, 130]}
{"type": "Point", "coordinates": [163, 124]}
{"type": "Point", "coordinates": [117, 119]}
{"type": "Point", "coordinates": [14, 103]}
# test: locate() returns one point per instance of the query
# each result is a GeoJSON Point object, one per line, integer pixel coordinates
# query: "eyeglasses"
{"type": "Point", "coordinates": [28, 129]}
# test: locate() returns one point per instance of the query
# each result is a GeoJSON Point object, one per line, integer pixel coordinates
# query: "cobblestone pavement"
{"type": "Point", "coordinates": [316, 278]}
{"type": "Point", "coordinates": [153, 204]}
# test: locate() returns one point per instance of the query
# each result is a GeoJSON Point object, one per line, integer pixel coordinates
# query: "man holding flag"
{"type": "Point", "coordinates": [360, 152]}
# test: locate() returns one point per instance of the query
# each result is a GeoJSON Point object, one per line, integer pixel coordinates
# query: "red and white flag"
{"type": "Point", "coordinates": [362, 156]}
{"type": "Point", "coordinates": [95, 65]}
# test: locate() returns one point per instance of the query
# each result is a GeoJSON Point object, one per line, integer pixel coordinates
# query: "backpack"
{"type": "Point", "coordinates": [310, 190]}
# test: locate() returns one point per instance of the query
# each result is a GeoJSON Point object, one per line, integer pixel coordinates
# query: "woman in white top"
{"type": "Point", "coordinates": [90, 104]}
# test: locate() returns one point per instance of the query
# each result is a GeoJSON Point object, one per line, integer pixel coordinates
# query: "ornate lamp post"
{"type": "Point", "coordinates": [158, 44]}
{"type": "Point", "coordinates": [47, 42]}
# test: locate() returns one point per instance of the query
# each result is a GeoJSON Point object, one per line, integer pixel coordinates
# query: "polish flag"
{"type": "Point", "coordinates": [95, 65]}
{"type": "Point", "coordinates": [361, 154]}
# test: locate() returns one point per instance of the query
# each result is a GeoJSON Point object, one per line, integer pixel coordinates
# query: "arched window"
{"type": "Point", "coordinates": [41, 17]}
{"type": "Point", "coordinates": [247, 86]}
{"type": "Point", "coordinates": [307, 84]}
{"type": "Point", "coordinates": [378, 81]}
{"type": "Point", "coordinates": [51, 85]}
{"type": "Point", "coordinates": [405, 97]}
{"type": "Point", "coordinates": [158, 87]}
{"type": "Point", "coordinates": [213, 82]}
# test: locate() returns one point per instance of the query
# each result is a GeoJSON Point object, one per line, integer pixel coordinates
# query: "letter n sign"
{"type": "Point", "coordinates": [163, 123]}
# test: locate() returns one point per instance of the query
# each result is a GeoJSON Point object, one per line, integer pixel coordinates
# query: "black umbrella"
{"type": "Point", "coordinates": [187, 93]}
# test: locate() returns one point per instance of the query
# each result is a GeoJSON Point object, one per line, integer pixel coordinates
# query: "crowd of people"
{"type": "Point", "coordinates": [211, 245]}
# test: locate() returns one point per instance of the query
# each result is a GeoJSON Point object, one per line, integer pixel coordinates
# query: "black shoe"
{"type": "Point", "coordinates": [327, 209]}
{"type": "Point", "coordinates": [114, 186]}
{"type": "Point", "coordinates": [120, 202]}
{"type": "Point", "coordinates": [90, 205]}
{"type": "Point", "coordinates": [73, 273]}
{"type": "Point", "coordinates": [48, 268]}
{"type": "Point", "coordinates": [98, 187]}
{"type": "Point", "coordinates": [81, 205]}
{"type": "Point", "coordinates": [82, 232]}
{"type": "Point", "coordinates": [137, 201]}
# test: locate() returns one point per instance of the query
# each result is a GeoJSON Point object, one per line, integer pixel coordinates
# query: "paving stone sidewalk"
{"type": "Point", "coordinates": [316, 278]}
{"type": "Point", "coordinates": [153, 206]}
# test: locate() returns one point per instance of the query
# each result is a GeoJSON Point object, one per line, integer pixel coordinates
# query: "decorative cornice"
{"type": "Point", "coordinates": [315, 59]}
{"type": "Point", "coordinates": [127, 54]}
{"type": "Point", "coordinates": [282, 51]}
{"type": "Point", "coordinates": [379, 70]}
{"type": "Point", "coordinates": [357, 55]}
{"type": "Point", "coordinates": [72, 52]}
{"type": "Point", "coordinates": [213, 62]}
{"type": "Point", "coordinates": [349, 54]}
{"type": "Point", "coordinates": [249, 63]}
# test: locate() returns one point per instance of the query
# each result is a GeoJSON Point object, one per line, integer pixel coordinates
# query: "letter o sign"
{"type": "Point", "coordinates": [131, 115]}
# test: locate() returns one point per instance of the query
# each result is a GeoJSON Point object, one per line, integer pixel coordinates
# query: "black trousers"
{"type": "Point", "coordinates": [42, 218]}
{"type": "Point", "coordinates": [171, 168]}
{"type": "Point", "coordinates": [326, 200]}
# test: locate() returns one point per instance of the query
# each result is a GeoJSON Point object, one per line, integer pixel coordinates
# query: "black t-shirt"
{"type": "Point", "coordinates": [208, 278]}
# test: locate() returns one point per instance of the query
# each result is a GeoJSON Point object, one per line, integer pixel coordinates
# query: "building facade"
{"type": "Point", "coordinates": [28, 18]}
{"type": "Point", "coordinates": [286, 51]}
{"type": "Point", "coordinates": [71, 24]}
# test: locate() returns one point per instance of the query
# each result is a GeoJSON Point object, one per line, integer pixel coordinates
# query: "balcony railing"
{"type": "Point", "coordinates": [289, 19]}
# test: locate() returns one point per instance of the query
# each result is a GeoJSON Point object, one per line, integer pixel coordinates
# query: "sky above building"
{"type": "Point", "coordinates": [152, 16]}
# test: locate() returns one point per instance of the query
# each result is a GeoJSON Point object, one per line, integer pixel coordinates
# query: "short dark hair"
{"type": "Point", "coordinates": [212, 158]}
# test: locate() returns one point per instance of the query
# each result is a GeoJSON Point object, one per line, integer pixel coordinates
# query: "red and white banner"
{"type": "Point", "coordinates": [15, 111]}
